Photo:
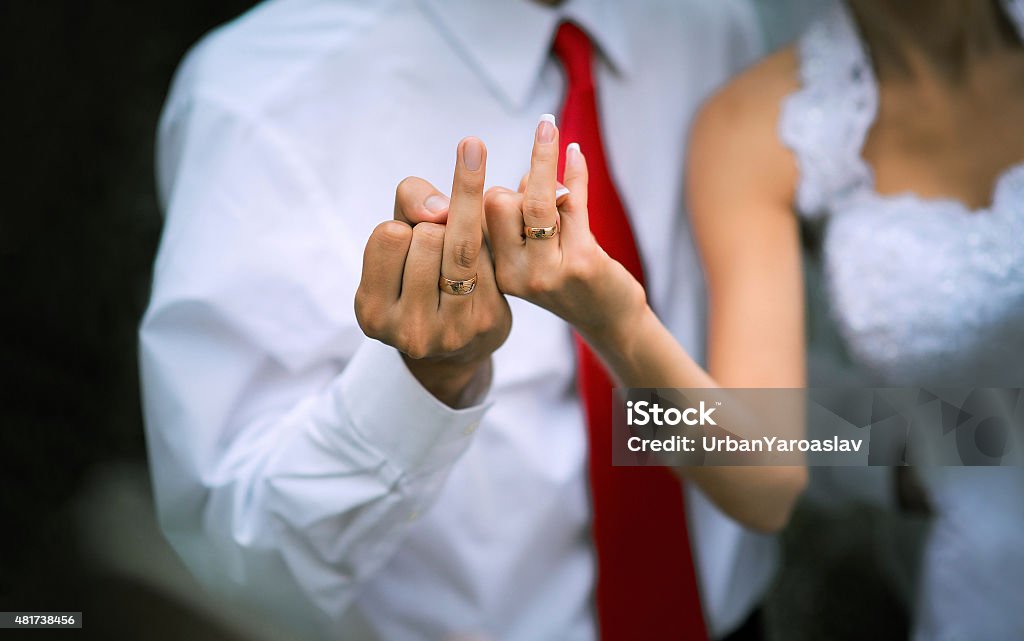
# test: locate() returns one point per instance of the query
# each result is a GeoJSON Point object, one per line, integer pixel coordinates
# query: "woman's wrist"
{"type": "Point", "coordinates": [624, 321]}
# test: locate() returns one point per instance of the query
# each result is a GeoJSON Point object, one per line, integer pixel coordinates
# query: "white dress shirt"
{"type": "Point", "coordinates": [300, 462]}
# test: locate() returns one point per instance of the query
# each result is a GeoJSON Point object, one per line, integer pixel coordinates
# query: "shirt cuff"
{"type": "Point", "coordinates": [392, 412]}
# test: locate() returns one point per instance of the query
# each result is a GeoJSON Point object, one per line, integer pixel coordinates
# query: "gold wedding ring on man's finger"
{"type": "Point", "coordinates": [457, 287]}
{"type": "Point", "coordinates": [540, 233]}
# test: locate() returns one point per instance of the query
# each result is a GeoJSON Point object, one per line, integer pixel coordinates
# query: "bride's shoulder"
{"type": "Point", "coordinates": [736, 130]}
{"type": "Point", "coordinates": [753, 98]}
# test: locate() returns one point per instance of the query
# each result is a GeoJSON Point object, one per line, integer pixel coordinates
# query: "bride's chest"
{"type": "Point", "coordinates": [949, 141]}
{"type": "Point", "coordinates": [915, 284]}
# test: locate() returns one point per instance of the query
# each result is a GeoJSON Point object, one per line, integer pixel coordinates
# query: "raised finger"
{"type": "Point", "coordinates": [463, 232]}
{"type": "Point", "coordinates": [539, 195]}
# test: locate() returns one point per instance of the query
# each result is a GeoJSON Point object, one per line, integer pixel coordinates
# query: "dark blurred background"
{"type": "Point", "coordinates": [83, 84]}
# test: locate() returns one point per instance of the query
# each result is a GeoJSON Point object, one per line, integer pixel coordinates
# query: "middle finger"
{"type": "Point", "coordinates": [539, 209]}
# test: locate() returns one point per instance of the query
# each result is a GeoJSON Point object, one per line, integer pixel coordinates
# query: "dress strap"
{"type": "Point", "coordinates": [826, 121]}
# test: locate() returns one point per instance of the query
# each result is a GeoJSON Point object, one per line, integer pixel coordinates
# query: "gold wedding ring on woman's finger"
{"type": "Point", "coordinates": [457, 287]}
{"type": "Point", "coordinates": [540, 233]}
{"type": "Point", "coordinates": [544, 233]}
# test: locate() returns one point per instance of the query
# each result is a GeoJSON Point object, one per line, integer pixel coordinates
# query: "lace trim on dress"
{"type": "Point", "coordinates": [826, 121]}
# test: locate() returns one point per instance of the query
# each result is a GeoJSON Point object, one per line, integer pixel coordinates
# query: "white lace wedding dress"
{"type": "Point", "coordinates": [924, 292]}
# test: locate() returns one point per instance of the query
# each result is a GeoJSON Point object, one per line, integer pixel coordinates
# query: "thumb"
{"type": "Point", "coordinates": [417, 201]}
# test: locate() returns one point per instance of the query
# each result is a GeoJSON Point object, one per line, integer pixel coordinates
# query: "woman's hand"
{"type": "Point", "coordinates": [544, 252]}
{"type": "Point", "coordinates": [570, 275]}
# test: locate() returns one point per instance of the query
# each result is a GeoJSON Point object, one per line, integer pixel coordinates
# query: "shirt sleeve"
{"type": "Point", "coordinates": [290, 454]}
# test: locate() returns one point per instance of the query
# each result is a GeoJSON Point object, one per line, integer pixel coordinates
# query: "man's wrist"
{"type": "Point", "coordinates": [457, 384]}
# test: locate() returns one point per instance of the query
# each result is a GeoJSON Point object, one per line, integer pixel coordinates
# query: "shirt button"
{"type": "Point", "coordinates": [471, 428]}
{"type": "Point", "coordinates": [414, 514]}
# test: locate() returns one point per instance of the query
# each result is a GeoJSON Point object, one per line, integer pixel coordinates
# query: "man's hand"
{"type": "Point", "coordinates": [446, 339]}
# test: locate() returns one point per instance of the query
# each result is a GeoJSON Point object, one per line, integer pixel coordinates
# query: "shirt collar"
{"type": "Point", "coordinates": [508, 41]}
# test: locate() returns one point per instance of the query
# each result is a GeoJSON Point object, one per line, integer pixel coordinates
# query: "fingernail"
{"type": "Point", "coordinates": [572, 153]}
{"type": "Point", "coordinates": [561, 192]}
{"type": "Point", "coordinates": [436, 203]}
{"type": "Point", "coordinates": [546, 129]}
{"type": "Point", "coordinates": [473, 154]}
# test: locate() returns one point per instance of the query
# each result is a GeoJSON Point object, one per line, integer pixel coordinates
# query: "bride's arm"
{"type": "Point", "coordinates": [740, 185]}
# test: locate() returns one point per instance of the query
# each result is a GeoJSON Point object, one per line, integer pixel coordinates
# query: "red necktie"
{"type": "Point", "coordinates": [646, 588]}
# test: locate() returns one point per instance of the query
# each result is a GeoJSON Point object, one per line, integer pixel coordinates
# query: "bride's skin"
{"type": "Point", "coordinates": [951, 88]}
{"type": "Point", "coordinates": [573, 277]}
{"type": "Point", "coordinates": [951, 75]}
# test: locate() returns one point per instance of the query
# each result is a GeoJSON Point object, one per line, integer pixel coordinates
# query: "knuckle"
{"type": "Point", "coordinates": [502, 203]}
{"type": "Point", "coordinates": [486, 320]}
{"type": "Point", "coordinates": [372, 326]}
{"type": "Point", "coordinates": [581, 268]}
{"type": "Point", "coordinates": [494, 197]}
{"type": "Point", "coordinates": [544, 153]}
{"type": "Point", "coordinates": [536, 206]}
{"type": "Point", "coordinates": [412, 342]}
{"type": "Point", "coordinates": [415, 352]}
{"type": "Point", "coordinates": [537, 283]}
{"type": "Point", "coordinates": [452, 341]}
{"type": "Point", "coordinates": [429, 234]}
{"type": "Point", "coordinates": [469, 183]}
{"type": "Point", "coordinates": [465, 253]}
{"type": "Point", "coordinates": [363, 305]}
{"type": "Point", "coordinates": [372, 316]}
{"type": "Point", "coordinates": [392, 234]}
{"type": "Point", "coordinates": [493, 192]}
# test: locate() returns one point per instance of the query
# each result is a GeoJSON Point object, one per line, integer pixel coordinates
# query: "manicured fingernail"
{"type": "Point", "coordinates": [473, 154]}
{"type": "Point", "coordinates": [546, 129]}
{"type": "Point", "coordinates": [572, 153]}
{"type": "Point", "coordinates": [561, 192]}
{"type": "Point", "coordinates": [436, 203]}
